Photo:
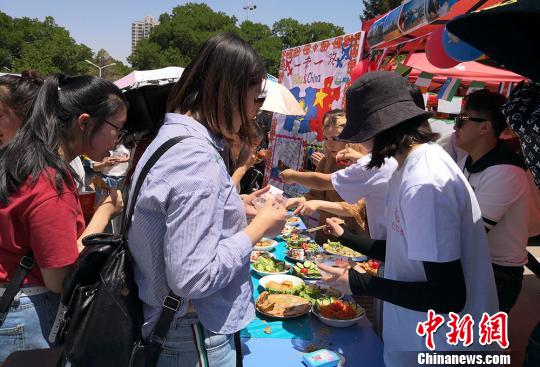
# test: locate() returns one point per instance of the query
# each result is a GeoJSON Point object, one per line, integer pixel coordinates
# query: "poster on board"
{"type": "Point", "coordinates": [317, 74]}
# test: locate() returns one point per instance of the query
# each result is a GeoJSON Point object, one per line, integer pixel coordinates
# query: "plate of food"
{"type": "Point", "coordinates": [255, 255]}
{"type": "Point", "coordinates": [307, 270]}
{"type": "Point", "coordinates": [371, 266]}
{"type": "Point", "coordinates": [267, 265]}
{"type": "Point", "coordinates": [336, 248]}
{"type": "Point", "coordinates": [314, 292]}
{"type": "Point", "coordinates": [296, 255]}
{"type": "Point", "coordinates": [282, 306]}
{"type": "Point", "coordinates": [308, 246]}
{"type": "Point", "coordinates": [337, 312]}
{"type": "Point", "coordinates": [296, 238]}
{"type": "Point", "coordinates": [293, 220]}
{"type": "Point", "coordinates": [265, 244]}
{"type": "Point", "coordinates": [282, 283]}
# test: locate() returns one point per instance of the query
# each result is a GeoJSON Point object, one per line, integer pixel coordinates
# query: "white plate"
{"type": "Point", "coordinates": [266, 253]}
{"type": "Point", "coordinates": [266, 248]}
{"type": "Point", "coordinates": [278, 278]}
{"type": "Point", "coordinates": [264, 273]}
{"type": "Point", "coordinates": [337, 323]}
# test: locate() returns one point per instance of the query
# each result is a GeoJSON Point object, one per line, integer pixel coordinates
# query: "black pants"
{"type": "Point", "coordinates": [508, 280]}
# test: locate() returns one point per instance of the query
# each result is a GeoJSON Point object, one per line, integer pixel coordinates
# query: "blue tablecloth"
{"type": "Point", "coordinates": [288, 340]}
{"type": "Point", "coordinates": [264, 327]}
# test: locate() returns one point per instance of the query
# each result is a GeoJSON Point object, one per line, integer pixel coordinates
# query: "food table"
{"type": "Point", "coordinates": [358, 344]}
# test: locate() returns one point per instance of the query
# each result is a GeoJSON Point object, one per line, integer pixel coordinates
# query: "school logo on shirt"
{"type": "Point", "coordinates": [396, 223]}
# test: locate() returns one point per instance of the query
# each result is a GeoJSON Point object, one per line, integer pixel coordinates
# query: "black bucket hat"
{"type": "Point", "coordinates": [377, 101]}
{"type": "Point", "coordinates": [507, 33]}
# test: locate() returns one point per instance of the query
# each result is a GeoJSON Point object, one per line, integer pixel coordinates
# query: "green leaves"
{"type": "Point", "coordinates": [181, 33]}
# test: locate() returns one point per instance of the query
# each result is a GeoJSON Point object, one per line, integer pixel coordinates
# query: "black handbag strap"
{"type": "Point", "coordinates": [25, 265]}
{"type": "Point", "coordinates": [172, 302]}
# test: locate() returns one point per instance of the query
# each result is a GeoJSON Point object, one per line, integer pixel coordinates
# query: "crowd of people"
{"type": "Point", "coordinates": [452, 235]}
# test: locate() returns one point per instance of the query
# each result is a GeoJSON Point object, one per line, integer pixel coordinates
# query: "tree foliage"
{"type": "Point", "coordinates": [181, 33]}
{"type": "Point", "coordinates": [41, 46]}
{"type": "Point", "coordinates": [374, 8]}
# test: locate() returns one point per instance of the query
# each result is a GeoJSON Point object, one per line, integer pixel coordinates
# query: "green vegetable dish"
{"type": "Point", "coordinates": [307, 270]}
{"type": "Point", "coordinates": [269, 265]}
{"type": "Point", "coordinates": [336, 248]}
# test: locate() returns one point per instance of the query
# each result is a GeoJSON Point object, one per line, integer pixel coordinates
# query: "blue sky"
{"type": "Point", "coordinates": [107, 24]}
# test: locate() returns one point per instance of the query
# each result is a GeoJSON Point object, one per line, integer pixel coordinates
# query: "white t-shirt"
{"type": "Point", "coordinates": [78, 167]}
{"type": "Point", "coordinates": [432, 215]}
{"type": "Point", "coordinates": [120, 169]}
{"type": "Point", "coordinates": [502, 191]}
{"type": "Point", "coordinates": [357, 181]}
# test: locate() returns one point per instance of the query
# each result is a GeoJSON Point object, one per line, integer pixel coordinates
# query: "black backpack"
{"type": "Point", "coordinates": [101, 310]}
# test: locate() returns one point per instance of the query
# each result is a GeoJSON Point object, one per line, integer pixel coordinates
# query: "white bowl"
{"type": "Point", "coordinates": [335, 322]}
{"type": "Point", "coordinates": [260, 253]}
{"type": "Point", "coordinates": [264, 273]}
{"type": "Point", "coordinates": [266, 248]}
{"type": "Point", "coordinates": [278, 278]}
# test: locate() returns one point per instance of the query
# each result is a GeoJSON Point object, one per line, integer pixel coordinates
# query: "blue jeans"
{"type": "Point", "coordinates": [28, 323]}
{"type": "Point", "coordinates": [189, 344]}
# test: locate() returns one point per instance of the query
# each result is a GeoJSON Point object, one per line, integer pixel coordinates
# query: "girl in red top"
{"type": "Point", "coordinates": [39, 206]}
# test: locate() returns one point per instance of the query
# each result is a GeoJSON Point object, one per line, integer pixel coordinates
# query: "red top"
{"type": "Point", "coordinates": [40, 219]}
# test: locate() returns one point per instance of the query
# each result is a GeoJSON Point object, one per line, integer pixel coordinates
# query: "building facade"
{"type": "Point", "coordinates": [140, 29]}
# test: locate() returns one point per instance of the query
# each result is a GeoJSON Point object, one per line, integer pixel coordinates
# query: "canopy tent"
{"type": "Point", "coordinates": [413, 38]}
{"type": "Point", "coordinates": [137, 79]}
{"type": "Point", "coordinates": [466, 71]}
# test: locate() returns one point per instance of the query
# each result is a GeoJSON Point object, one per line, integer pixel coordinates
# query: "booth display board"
{"type": "Point", "coordinates": [317, 74]}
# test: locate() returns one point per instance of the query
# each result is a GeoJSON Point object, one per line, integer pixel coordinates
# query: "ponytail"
{"type": "Point", "coordinates": [48, 128]}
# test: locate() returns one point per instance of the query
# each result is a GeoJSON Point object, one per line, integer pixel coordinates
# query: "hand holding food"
{"type": "Point", "coordinates": [349, 154]}
{"type": "Point", "coordinates": [336, 277]}
{"type": "Point", "coordinates": [294, 202]}
{"type": "Point", "coordinates": [248, 200]}
{"type": "Point", "coordinates": [333, 227]}
{"type": "Point", "coordinates": [307, 207]}
{"type": "Point", "coordinates": [273, 216]}
{"type": "Point", "coordinates": [316, 157]}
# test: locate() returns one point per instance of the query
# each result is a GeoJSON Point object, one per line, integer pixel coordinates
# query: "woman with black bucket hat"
{"type": "Point", "coordinates": [436, 253]}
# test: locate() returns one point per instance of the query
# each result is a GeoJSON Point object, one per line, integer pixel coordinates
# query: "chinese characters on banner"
{"type": "Point", "coordinates": [491, 329]}
{"type": "Point", "coordinates": [317, 74]}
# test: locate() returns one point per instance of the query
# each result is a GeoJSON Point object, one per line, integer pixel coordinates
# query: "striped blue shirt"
{"type": "Point", "coordinates": [187, 233]}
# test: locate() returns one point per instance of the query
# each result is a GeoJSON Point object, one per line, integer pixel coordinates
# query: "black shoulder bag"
{"type": "Point", "coordinates": [101, 324]}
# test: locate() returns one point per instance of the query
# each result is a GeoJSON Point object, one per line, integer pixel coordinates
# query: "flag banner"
{"type": "Point", "coordinates": [403, 70]}
{"type": "Point", "coordinates": [474, 86]}
{"type": "Point", "coordinates": [423, 81]}
{"type": "Point", "coordinates": [449, 89]}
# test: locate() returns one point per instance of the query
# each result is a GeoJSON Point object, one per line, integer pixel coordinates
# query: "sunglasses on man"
{"type": "Point", "coordinates": [459, 121]}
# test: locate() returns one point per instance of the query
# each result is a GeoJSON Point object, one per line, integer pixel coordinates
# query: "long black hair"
{"type": "Point", "coordinates": [49, 127]}
{"type": "Point", "coordinates": [216, 81]}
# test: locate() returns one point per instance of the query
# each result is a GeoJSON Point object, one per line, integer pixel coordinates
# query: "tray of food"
{"type": "Point", "coordinates": [255, 255]}
{"type": "Point", "coordinates": [307, 270]}
{"type": "Point", "coordinates": [338, 313]}
{"type": "Point", "coordinates": [267, 265]}
{"type": "Point", "coordinates": [282, 283]}
{"type": "Point", "coordinates": [265, 244]}
{"type": "Point", "coordinates": [336, 248]}
{"type": "Point", "coordinates": [282, 306]}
